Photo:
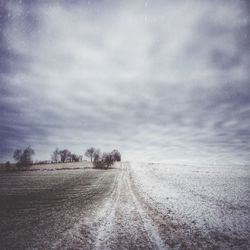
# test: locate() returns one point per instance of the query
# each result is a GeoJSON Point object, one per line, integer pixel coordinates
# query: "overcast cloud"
{"type": "Point", "coordinates": [158, 80]}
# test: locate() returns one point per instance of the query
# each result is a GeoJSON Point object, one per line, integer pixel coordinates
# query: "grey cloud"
{"type": "Point", "coordinates": [158, 80]}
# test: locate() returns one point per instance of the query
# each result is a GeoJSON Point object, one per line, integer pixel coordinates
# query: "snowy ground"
{"type": "Point", "coordinates": [212, 202]}
{"type": "Point", "coordinates": [132, 206]}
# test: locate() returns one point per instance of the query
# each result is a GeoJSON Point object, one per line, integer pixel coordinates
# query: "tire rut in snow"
{"type": "Point", "coordinates": [126, 225]}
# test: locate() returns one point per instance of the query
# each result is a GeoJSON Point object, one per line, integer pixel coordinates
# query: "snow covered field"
{"type": "Point", "coordinates": [212, 200]}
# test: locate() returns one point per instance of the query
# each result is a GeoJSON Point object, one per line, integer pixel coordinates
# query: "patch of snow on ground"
{"type": "Point", "coordinates": [213, 199]}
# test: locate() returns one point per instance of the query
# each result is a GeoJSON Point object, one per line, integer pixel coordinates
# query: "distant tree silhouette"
{"type": "Point", "coordinates": [97, 159]}
{"type": "Point", "coordinates": [105, 160]}
{"type": "Point", "coordinates": [17, 154]}
{"type": "Point", "coordinates": [116, 155]}
{"type": "Point", "coordinates": [97, 155]}
{"type": "Point", "coordinates": [65, 154]}
{"type": "Point", "coordinates": [75, 157]}
{"type": "Point", "coordinates": [90, 153]}
{"type": "Point", "coordinates": [55, 155]}
{"type": "Point", "coordinates": [108, 160]}
{"type": "Point", "coordinates": [24, 157]}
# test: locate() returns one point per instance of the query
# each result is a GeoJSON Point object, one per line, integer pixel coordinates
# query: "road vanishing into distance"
{"type": "Point", "coordinates": [85, 209]}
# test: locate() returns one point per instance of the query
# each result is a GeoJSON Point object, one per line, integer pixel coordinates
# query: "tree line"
{"type": "Point", "coordinates": [103, 160]}
{"type": "Point", "coordinates": [99, 160]}
{"type": "Point", "coordinates": [64, 156]}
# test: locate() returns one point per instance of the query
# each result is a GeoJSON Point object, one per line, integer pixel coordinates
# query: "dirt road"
{"type": "Point", "coordinates": [126, 224]}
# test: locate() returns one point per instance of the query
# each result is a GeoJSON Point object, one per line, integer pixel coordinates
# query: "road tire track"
{"type": "Point", "coordinates": [126, 224]}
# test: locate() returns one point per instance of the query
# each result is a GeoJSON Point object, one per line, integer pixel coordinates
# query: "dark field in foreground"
{"type": "Point", "coordinates": [36, 207]}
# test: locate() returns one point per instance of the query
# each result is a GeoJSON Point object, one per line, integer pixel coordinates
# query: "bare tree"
{"type": "Point", "coordinates": [97, 158]}
{"type": "Point", "coordinates": [90, 153]}
{"type": "Point", "coordinates": [17, 154]}
{"type": "Point", "coordinates": [65, 154]}
{"type": "Point", "coordinates": [108, 160]}
{"type": "Point", "coordinates": [76, 158]}
{"type": "Point", "coordinates": [24, 157]}
{"type": "Point", "coordinates": [55, 155]}
{"type": "Point", "coordinates": [97, 154]}
{"type": "Point", "coordinates": [105, 161]}
{"type": "Point", "coordinates": [27, 155]}
{"type": "Point", "coordinates": [116, 155]}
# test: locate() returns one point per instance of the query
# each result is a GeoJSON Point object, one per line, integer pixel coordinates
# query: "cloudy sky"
{"type": "Point", "coordinates": [158, 80]}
